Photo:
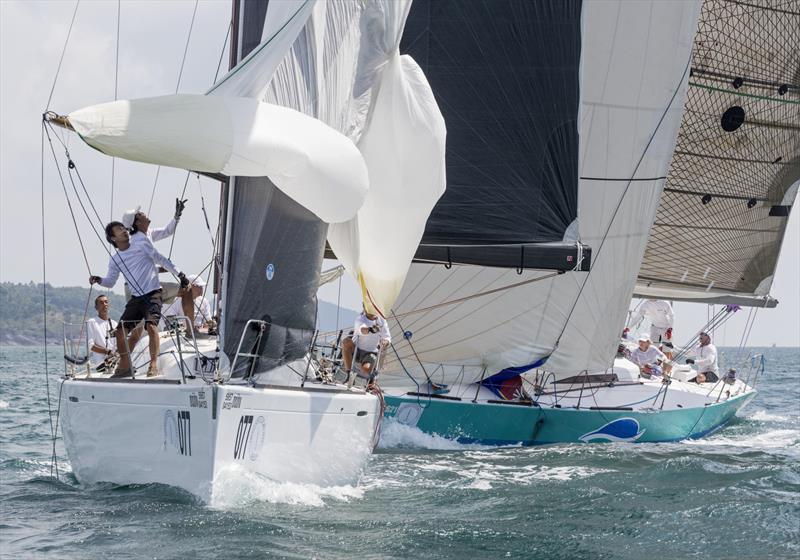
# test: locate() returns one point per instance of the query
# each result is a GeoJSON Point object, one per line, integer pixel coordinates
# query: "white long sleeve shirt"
{"type": "Point", "coordinates": [157, 234]}
{"type": "Point", "coordinates": [138, 265]}
{"type": "Point", "coordinates": [657, 311]}
{"type": "Point", "coordinates": [705, 358]}
{"type": "Point", "coordinates": [369, 342]}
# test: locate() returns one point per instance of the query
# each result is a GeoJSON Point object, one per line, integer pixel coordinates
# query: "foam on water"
{"type": "Point", "coordinates": [3, 404]}
{"type": "Point", "coordinates": [771, 439]}
{"type": "Point", "coordinates": [764, 416]}
{"type": "Point", "coordinates": [235, 487]}
{"type": "Point", "coordinates": [396, 435]}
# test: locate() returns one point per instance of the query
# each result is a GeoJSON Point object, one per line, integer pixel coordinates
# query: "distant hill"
{"type": "Point", "coordinates": [21, 312]}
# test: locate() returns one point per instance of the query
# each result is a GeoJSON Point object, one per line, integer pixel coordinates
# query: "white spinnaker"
{"type": "Point", "coordinates": [344, 68]}
{"type": "Point", "coordinates": [633, 78]}
{"type": "Point", "coordinates": [403, 146]}
{"type": "Point", "coordinates": [311, 162]}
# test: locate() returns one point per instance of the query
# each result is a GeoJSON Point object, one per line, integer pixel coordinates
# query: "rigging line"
{"type": "Point", "coordinates": [596, 255]}
{"type": "Point", "coordinates": [69, 204]}
{"type": "Point", "coordinates": [222, 53]}
{"type": "Point", "coordinates": [44, 300]}
{"type": "Point", "coordinates": [408, 340]}
{"type": "Point", "coordinates": [177, 87]}
{"type": "Point", "coordinates": [473, 296]}
{"type": "Point", "coordinates": [75, 167]}
{"type": "Point", "coordinates": [61, 60]}
{"type": "Point", "coordinates": [129, 276]}
{"type": "Point", "coordinates": [183, 192]}
{"type": "Point", "coordinates": [116, 95]}
{"type": "Point", "coordinates": [186, 48]}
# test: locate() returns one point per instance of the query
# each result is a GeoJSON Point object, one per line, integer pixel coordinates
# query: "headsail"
{"type": "Point", "coordinates": [736, 170]}
{"type": "Point", "coordinates": [630, 61]}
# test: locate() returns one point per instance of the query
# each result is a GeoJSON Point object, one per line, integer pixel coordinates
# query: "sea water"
{"type": "Point", "coordinates": [735, 494]}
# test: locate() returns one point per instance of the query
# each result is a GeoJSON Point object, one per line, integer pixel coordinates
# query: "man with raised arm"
{"type": "Point", "coordinates": [138, 224]}
{"type": "Point", "coordinates": [370, 336]}
{"type": "Point", "coordinates": [137, 262]}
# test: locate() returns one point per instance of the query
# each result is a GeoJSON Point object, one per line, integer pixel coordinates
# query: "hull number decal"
{"type": "Point", "coordinates": [231, 401]}
{"type": "Point", "coordinates": [178, 432]}
{"type": "Point", "coordinates": [249, 437]}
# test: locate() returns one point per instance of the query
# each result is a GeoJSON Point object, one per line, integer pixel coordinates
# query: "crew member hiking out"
{"type": "Point", "coordinates": [137, 262]}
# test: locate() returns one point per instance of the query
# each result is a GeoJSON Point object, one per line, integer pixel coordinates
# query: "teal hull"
{"type": "Point", "coordinates": [510, 424]}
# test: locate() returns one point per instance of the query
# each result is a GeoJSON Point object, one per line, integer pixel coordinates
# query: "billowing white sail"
{"type": "Point", "coordinates": [311, 162]}
{"type": "Point", "coordinates": [475, 320]}
{"type": "Point", "coordinates": [354, 79]}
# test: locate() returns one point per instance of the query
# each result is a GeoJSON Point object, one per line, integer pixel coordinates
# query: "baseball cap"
{"type": "Point", "coordinates": [129, 216]}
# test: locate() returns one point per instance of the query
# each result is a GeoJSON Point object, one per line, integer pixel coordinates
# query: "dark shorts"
{"type": "Point", "coordinates": [364, 357]}
{"type": "Point", "coordinates": [147, 307]}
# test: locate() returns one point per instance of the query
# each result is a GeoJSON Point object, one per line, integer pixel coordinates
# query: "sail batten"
{"type": "Point", "coordinates": [732, 182]}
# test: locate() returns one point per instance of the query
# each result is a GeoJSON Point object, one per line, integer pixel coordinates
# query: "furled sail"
{"type": "Point", "coordinates": [621, 68]}
{"type": "Point", "coordinates": [735, 174]}
{"type": "Point", "coordinates": [309, 161]}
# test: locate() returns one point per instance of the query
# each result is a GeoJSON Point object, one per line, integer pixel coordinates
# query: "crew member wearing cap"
{"type": "Point", "coordinates": [138, 224]}
{"type": "Point", "coordinates": [705, 359]}
{"type": "Point", "coordinates": [370, 336]}
{"type": "Point", "coordinates": [200, 309]}
{"type": "Point", "coordinates": [647, 355]}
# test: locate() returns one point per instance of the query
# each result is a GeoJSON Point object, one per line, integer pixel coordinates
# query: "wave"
{"type": "Point", "coordinates": [764, 416]}
{"type": "Point", "coordinates": [401, 436]}
{"type": "Point", "coordinates": [771, 439]}
{"type": "Point", "coordinates": [235, 487]}
{"type": "Point", "coordinates": [3, 404]}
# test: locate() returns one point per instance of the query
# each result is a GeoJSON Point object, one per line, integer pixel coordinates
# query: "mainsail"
{"type": "Point", "coordinates": [736, 169]}
{"type": "Point", "coordinates": [610, 79]}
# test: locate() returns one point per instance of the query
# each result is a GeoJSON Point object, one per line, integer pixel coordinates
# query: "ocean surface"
{"type": "Point", "coordinates": [735, 494]}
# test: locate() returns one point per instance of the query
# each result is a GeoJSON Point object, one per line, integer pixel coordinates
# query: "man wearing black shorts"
{"type": "Point", "coordinates": [370, 335]}
{"type": "Point", "coordinates": [137, 263]}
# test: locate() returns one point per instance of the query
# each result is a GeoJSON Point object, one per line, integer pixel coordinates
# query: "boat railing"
{"type": "Point", "coordinates": [175, 323]}
{"type": "Point", "coordinates": [76, 349]}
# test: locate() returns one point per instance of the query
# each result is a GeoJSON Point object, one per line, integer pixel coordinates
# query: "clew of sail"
{"type": "Point", "coordinates": [312, 163]}
{"type": "Point", "coordinates": [734, 177]}
{"type": "Point", "coordinates": [616, 70]}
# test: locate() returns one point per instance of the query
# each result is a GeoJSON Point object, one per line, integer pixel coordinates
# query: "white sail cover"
{"type": "Point", "coordinates": [476, 321]}
{"type": "Point", "coordinates": [314, 164]}
{"type": "Point", "coordinates": [734, 178]}
{"type": "Point", "coordinates": [344, 68]}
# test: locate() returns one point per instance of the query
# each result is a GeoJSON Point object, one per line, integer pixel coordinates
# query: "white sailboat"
{"type": "Point", "coordinates": [294, 131]}
{"type": "Point", "coordinates": [486, 355]}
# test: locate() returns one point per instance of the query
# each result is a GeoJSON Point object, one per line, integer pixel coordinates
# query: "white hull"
{"type": "Point", "coordinates": [185, 435]}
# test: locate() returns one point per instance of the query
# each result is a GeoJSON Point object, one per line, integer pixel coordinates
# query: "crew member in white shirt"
{"type": "Point", "coordinates": [201, 310]}
{"type": "Point", "coordinates": [138, 224]}
{"type": "Point", "coordinates": [370, 335]}
{"type": "Point", "coordinates": [647, 355]}
{"type": "Point", "coordinates": [137, 262]}
{"type": "Point", "coordinates": [102, 341]}
{"type": "Point", "coordinates": [705, 360]}
{"type": "Point", "coordinates": [659, 313]}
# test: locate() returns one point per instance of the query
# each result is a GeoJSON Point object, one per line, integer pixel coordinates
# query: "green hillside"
{"type": "Point", "coordinates": [21, 319]}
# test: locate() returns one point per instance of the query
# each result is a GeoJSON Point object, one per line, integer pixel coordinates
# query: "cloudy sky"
{"type": "Point", "coordinates": [152, 37]}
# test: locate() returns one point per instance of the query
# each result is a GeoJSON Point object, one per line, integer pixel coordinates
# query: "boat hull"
{"type": "Point", "coordinates": [517, 424]}
{"type": "Point", "coordinates": [187, 435]}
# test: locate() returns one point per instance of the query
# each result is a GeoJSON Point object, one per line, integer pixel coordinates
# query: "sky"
{"type": "Point", "coordinates": [152, 38]}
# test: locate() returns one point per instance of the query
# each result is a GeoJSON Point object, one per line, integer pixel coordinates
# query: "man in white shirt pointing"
{"type": "Point", "coordinates": [137, 263]}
